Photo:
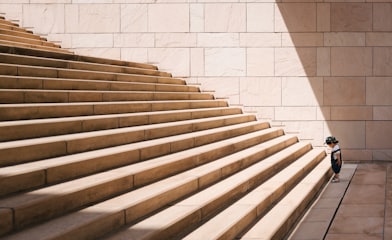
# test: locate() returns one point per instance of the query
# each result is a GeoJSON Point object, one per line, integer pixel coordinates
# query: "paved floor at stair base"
{"type": "Point", "coordinates": [358, 207]}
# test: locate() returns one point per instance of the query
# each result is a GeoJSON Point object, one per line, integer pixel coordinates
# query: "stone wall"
{"type": "Point", "coordinates": [317, 68]}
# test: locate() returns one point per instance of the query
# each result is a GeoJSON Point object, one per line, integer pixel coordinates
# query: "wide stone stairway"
{"type": "Point", "coordinates": [93, 148]}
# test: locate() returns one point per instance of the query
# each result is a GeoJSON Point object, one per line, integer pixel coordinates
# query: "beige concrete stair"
{"type": "Point", "coordinates": [27, 129]}
{"type": "Point", "coordinates": [240, 215]}
{"type": "Point", "coordinates": [95, 148]}
{"type": "Point", "coordinates": [60, 63]}
{"type": "Point", "coordinates": [205, 204]}
{"type": "Point", "coordinates": [47, 202]}
{"type": "Point", "coordinates": [36, 71]}
{"type": "Point", "coordinates": [278, 222]}
{"type": "Point", "coordinates": [17, 33]}
{"type": "Point", "coordinates": [6, 26]}
{"type": "Point", "coordinates": [65, 96]}
{"type": "Point", "coordinates": [15, 152]}
{"type": "Point", "coordinates": [17, 82]}
{"type": "Point", "coordinates": [45, 172]}
{"type": "Point", "coordinates": [67, 55]}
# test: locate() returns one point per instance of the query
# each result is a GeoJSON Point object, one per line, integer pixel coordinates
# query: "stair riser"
{"type": "Point", "coordinates": [14, 82]}
{"type": "Point", "coordinates": [81, 168]}
{"type": "Point", "coordinates": [32, 71]}
{"type": "Point", "coordinates": [291, 221]}
{"type": "Point", "coordinates": [54, 206]}
{"type": "Point", "coordinates": [206, 211]}
{"type": "Point", "coordinates": [13, 28]}
{"type": "Point", "coordinates": [261, 208]}
{"type": "Point", "coordinates": [16, 112]}
{"type": "Point", "coordinates": [12, 44]}
{"type": "Point", "coordinates": [70, 56]}
{"type": "Point", "coordinates": [19, 34]}
{"type": "Point", "coordinates": [21, 154]}
{"type": "Point", "coordinates": [40, 211]}
{"type": "Point", "coordinates": [67, 126]}
{"type": "Point", "coordinates": [213, 207]}
{"type": "Point", "coordinates": [9, 23]}
{"type": "Point", "coordinates": [151, 175]}
{"type": "Point", "coordinates": [115, 69]}
{"type": "Point", "coordinates": [6, 224]}
{"type": "Point", "coordinates": [111, 223]}
{"type": "Point", "coordinates": [20, 96]}
{"type": "Point", "coordinates": [111, 62]}
{"type": "Point", "coordinates": [55, 63]}
{"type": "Point", "coordinates": [38, 42]}
{"type": "Point", "coordinates": [107, 223]}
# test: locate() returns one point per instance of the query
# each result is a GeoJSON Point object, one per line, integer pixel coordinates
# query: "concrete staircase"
{"type": "Point", "coordinates": [97, 148]}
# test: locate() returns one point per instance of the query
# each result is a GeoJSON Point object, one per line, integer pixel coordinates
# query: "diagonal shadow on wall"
{"type": "Point", "coordinates": [335, 46]}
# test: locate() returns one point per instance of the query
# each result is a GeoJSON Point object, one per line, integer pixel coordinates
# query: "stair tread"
{"type": "Point", "coordinates": [88, 74]}
{"type": "Point", "coordinates": [32, 46]}
{"type": "Point", "coordinates": [52, 110]}
{"type": "Point", "coordinates": [94, 91]}
{"type": "Point", "coordinates": [71, 56]}
{"type": "Point", "coordinates": [72, 64]}
{"type": "Point", "coordinates": [128, 200]}
{"type": "Point", "coordinates": [8, 22]}
{"type": "Point", "coordinates": [113, 207]}
{"type": "Point", "coordinates": [226, 219]}
{"type": "Point", "coordinates": [69, 137]}
{"type": "Point", "coordinates": [13, 27]}
{"type": "Point", "coordinates": [201, 200]}
{"type": "Point", "coordinates": [70, 186]}
{"type": "Point", "coordinates": [270, 224]}
{"type": "Point", "coordinates": [28, 40]}
{"type": "Point", "coordinates": [39, 96]}
{"type": "Point", "coordinates": [13, 32]}
{"type": "Point", "coordinates": [23, 82]}
{"type": "Point", "coordinates": [66, 94]}
{"type": "Point", "coordinates": [63, 168]}
{"type": "Point", "coordinates": [92, 117]}
{"type": "Point", "coordinates": [98, 103]}
{"type": "Point", "coordinates": [19, 129]}
{"type": "Point", "coordinates": [76, 143]}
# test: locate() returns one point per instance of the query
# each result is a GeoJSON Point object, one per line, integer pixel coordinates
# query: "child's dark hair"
{"type": "Point", "coordinates": [331, 139]}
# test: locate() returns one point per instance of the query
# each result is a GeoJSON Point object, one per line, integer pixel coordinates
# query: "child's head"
{"type": "Point", "coordinates": [331, 141]}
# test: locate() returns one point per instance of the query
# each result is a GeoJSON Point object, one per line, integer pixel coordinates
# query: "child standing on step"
{"type": "Point", "coordinates": [336, 156]}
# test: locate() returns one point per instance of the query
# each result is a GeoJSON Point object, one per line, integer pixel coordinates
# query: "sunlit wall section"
{"type": "Point", "coordinates": [316, 68]}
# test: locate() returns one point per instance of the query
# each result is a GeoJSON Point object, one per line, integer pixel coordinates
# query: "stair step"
{"type": "Point", "coordinates": [235, 124]}
{"type": "Point", "coordinates": [52, 110]}
{"type": "Point", "coordinates": [16, 152]}
{"type": "Point", "coordinates": [139, 175]}
{"type": "Point", "coordinates": [45, 172]}
{"type": "Point", "coordinates": [55, 170]}
{"type": "Point", "coordinates": [20, 82]}
{"type": "Point", "coordinates": [60, 63]}
{"type": "Point", "coordinates": [9, 23]}
{"type": "Point", "coordinates": [67, 55]}
{"type": "Point", "coordinates": [64, 96]}
{"type": "Point", "coordinates": [279, 221]}
{"type": "Point", "coordinates": [34, 71]}
{"type": "Point", "coordinates": [161, 192]}
{"type": "Point", "coordinates": [25, 40]}
{"type": "Point", "coordinates": [14, 28]}
{"type": "Point", "coordinates": [229, 223]}
{"type": "Point", "coordinates": [17, 33]}
{"type": "Point", "coordinates": [27, 129]}
{"type": "Point", "coordinates": [199, 207]}
{"type": "Point", "coordinates": [32, 46]}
